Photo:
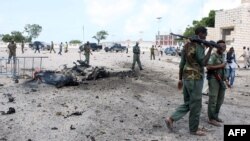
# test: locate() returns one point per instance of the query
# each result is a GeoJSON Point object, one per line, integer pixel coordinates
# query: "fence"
{"type": "Point", "coordinates": [21, 66]}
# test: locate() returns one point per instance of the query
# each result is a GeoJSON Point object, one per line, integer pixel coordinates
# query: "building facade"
{"type": "Point", "coordinates": [232, 26]}
{"type": "Point", "coordinates": [165, 40]}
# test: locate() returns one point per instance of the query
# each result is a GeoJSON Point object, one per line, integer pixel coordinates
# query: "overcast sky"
{"type": "Point", "coordinates": [63, 20]}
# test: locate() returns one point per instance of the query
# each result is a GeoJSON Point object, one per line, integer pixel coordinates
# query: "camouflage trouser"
{"type": "Point", "coordinates": [216, 98]}
{"type": "Point", "coordinates": [52, 49]}
{"type": "Point", "coordinates": [192, 102]}
{"type": "Point", "coordinates": [136, 58]}
{"type": "Point", "coordinates": [12, 56]}
{"type": "Point", "coordinates": [87, 58]}
{"type": "Point", "coordinates": [152, 55]}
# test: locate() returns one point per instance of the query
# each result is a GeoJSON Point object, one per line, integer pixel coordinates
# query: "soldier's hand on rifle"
{"type": "Point", "coordinates": [180, 85]}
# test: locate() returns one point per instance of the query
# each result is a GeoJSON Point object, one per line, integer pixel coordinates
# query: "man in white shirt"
{"type": "Point", "coordinates": [245, 56]}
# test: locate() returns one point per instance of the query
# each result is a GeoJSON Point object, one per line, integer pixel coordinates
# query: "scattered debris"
{"type": "Point", "coordinates": [92, 138]}
{"type": "Point", "coordinates": [1, 85]}
{"type": "Point", "coordinates": [11, 99]}
{"type": "Point", "coordinates": [39, 105]}
{"type": "Point", "coordinates": [54, 128]}
{"type": "Point", "coordinates": [74, 114]}
{"type": "Point", "coordinates": [157, 126]}
{"type": "Point", "coordinates": [58, 113]}
{"type": "Point", "coordinates": [72, 127]}
{"type": "Point", "coordinates": [3, 139]}
{"type": "Point", "coordinates": [33, 90]}
{"type": "Point", "coordinates": [10, 111]}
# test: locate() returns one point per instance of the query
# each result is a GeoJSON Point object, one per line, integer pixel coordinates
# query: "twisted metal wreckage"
{"type": "Point", "coordinates": [77, 74]}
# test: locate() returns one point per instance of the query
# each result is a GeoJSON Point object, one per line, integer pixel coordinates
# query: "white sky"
{"type": "Point", "coordinates": [63, 20]}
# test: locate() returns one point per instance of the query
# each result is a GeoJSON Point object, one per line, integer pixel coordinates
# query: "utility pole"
{"type": "Point", "coordinates": [158, 36]}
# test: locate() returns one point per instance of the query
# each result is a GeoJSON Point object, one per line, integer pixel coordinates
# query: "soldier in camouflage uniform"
{"type": "Point", "coordinates": [152, 52]}
{"type": "Point", "coordinates": [136, 58]}
{"type": "Point", "coordinates": [87, 52]}
{"type": "Point", "coordinates": [12, 51]}
{"type": "Point", "coordinates": [66, 47]}
{"type": "Point", "coordinates": [52, 47]}
{"type": "Point", "coordinates": [191, 72]}
{"type": "Point", "coordinates": [216, 66]}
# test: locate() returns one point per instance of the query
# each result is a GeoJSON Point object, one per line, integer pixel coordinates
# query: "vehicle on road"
{"type": "Point", "coordinates": [170, 51]}
{"type": "Point", "coordinates": [93, 46]}
{"type": "Point", "coordinates": [40, 44]}
{"type": "Point", "coordinates": [115, 48]}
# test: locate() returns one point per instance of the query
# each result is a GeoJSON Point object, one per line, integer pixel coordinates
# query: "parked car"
{"type": "Point", "coordinates": [170, 51]}
{"type": "Point", "coordinates": [93, 46]}
{"type": "Point", "coordinates": [115, 48]}
{"type": "Point", "coordinates": [41, 45]}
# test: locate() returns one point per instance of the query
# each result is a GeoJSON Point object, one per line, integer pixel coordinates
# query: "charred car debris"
{"type": "Point", "coordinates": [79, 73]}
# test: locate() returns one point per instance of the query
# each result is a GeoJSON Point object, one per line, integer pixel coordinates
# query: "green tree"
{"type": "Point", "coordinates": [33, 30]}
{"type": "Point", "coordinates": [101, 35]}
{"type": "Point", "coordinates": [6, 37]}
{"type": "Point", "coordinates": [75, 42]}
{"type": "Point", "coordinates": [17, 36]}
{"type": "Point", "coordinates": [205, 21]}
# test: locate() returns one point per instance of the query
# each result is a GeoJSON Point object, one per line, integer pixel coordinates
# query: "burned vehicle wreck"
{"type": "Point", "coordinates": [79, 73]}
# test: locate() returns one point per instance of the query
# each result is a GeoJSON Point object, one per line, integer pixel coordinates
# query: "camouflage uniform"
{"type": "Point", "coordinates": [152, 53]}
{"type": "Point", "coordinates": [52, 47]}
{"type": "Point", "coordinates": [12, 52]}
{"type": "Point", "coordinates": [60, 49]}
{"type": "Point", "coordinates": [136, 58]}
{"type": "Point", "coordinates": [87, 53]}
{"type": "Point", "coordinates": [66, 48]}
{"type": "Point", "coordinates": [216, 90]}
{"type": "Point", "coordinates": [193, 69]}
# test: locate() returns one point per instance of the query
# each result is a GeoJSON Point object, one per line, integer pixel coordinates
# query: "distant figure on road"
{"type": "Point", "coordinates": [136, 51]}
{"type": "Point", "coordinates": [60, 48]}
{"type": "Point", "coordinates": [37, 48]}
{"type": "Point", "coordinates": [52, 47]}
{"type": "Point", "coordinates": [245, 56]}
{"type": "Point", "coordinates": [66, 47]}
{"type": "Point", "coordinates": [12, 51]}
{"type": "Point", "coordinates": [161, 50]}
{"type": "Point", "coordinates": [22, 46]}
{"type": "Point", "coordinates": [152, 52]}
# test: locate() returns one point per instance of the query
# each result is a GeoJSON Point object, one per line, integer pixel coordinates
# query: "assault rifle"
{"type": "Point", "coordinates": [193, 39]}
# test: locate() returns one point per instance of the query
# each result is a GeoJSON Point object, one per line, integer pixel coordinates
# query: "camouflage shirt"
{"type": "Point", "coordinates": [191, 64]}
{"type": "Point", "coordinates": [217, 59]}
{"type": "Point", "coordinates": [136, 50]}
{"type": "Point", "coordinates": [86, 49]}
{"type": "Point", "coordinates": [152, 50]}
{"type": "Point", "coordinates": [12, 48]}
